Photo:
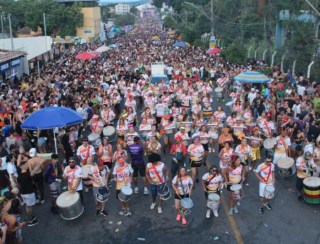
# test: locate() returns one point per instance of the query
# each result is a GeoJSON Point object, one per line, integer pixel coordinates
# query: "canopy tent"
{"type": "Point", "coordinates": [51, 118]}
{"type": "Point", "coordinates": [251, 77]}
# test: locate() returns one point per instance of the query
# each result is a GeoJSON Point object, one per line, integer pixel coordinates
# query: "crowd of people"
{"type": "Point", "coordinates": [130, 124]}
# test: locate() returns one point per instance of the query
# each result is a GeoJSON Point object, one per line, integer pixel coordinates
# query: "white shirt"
{"type": "Point", "coordinates": [12, 169]}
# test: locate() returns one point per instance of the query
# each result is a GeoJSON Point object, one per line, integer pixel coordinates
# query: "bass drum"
{"type": "Point", "coordinates": [110, 132]}
{"type": "Point", "coordinates": [70, 205]}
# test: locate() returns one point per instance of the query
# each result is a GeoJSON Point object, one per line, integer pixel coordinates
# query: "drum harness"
{"type": "Point", "coordinates": [183, 211]}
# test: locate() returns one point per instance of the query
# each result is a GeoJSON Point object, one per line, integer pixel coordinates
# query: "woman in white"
{"type": "Point", "coordinates": [225, 159]}
{"type": "Point", "coordinates": [182, 184]}
{"type": "Point", "coordinates": [244, 152]}
{"type": "Point", "coordinates": [196, 153]}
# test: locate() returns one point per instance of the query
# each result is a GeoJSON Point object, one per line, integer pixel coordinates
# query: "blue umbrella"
{"type": "Point", "coordinates": [50, 118]}
{"type": "Point", "coordinates": [181, 44]}
{"type": "Point", "coordinates": [251, 77]}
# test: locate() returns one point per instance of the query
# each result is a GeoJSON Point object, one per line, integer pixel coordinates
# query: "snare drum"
{"type": "Point", "coordinates": [269, 144]}
{"type": "Point", "coordinates": [102, 194]}
{"type": "Point", "coordinates": [85, 171]}
{"type": "Point", "coordinates": [70, 205]}
{"type": "Point", "coordinates": [269, 192]}
{"type": "Point", "coordinates": [125, 194]}
{"type": "Point", "coordinates": [311, 189]}
{"type": "Point", "coordinates": [94, 139]}
{"type": "Point", "coordinates": [185, 206]}
{"type": "Point", "coordinates": [236, 191]}
{"type": "Point", "coordinates": [286, 166]}
{"type": "Point", "coordinates": [213, 201]}
{"type": "Point", "coordinates": [218, 91]}
{"type": "Point", "coordinates": [110, 132]}
{"type": "Point", "coordinates": [250, 127]}
{"type": "Point", "coordinates": [164, 192]}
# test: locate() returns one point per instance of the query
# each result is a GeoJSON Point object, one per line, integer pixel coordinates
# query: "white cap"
{"type": "Point", "coordinates": [32, 152]}
{"type": "Point", "coordinates": [252, 89]}
{"type": "Point", "coordinates": [35, 105]}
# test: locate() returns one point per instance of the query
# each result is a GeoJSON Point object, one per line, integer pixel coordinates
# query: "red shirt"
{"type": "Point", "coordinates": [182, 148]}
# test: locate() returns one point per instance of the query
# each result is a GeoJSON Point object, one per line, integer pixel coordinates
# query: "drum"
{"type": "Point", "coordinates": [269, 144]}
{"type": "Point", "coordinates": [218, 91]}
{"type": "Point", "coordinates": [286, 167]}
{"type": "Point", "coordinates": [236, 190]}
{"type": "Point", "coordinates": [213, 201]}
{"type": "Point", "coordinates": [125, 194]}
{"type": "Point", "coordinates": [164, 192]}
{"type": "Point", "coordinates": [311, 189]}
{"type": "Point", "coordinates": [185, 206]}
{"type": "Point", "coordinates": [86, 181]}
{"type": "Point", "coordinates": [94, 139]}
{"type": "Point", "coordinates": [269, 192]}
{"type": "Point", "coordinates": [103, 194]}
{"type": "Point", "coordinates": [110, 132]}
{"type": "Point", "coordinates": [70, 205]}
{"type": "Point", "coordinates": [250, 127]}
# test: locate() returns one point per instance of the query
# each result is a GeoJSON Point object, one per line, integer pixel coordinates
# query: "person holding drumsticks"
{"type": "Point", "coordinates": [244, 152]}
{"type": "Point", "coordinates": [157, 174]}
{"type": "Point", "coordinates": [265, 174]}
{"type": "Point", "coordinates": [211, 183]}
{"type": "Point", "coordinates": [73, 173]}
{"type": "Point", "coordinates": [99, 175]}
{"type": "Point", "coordinates": [182, 184]}
{"type": "Point", "coordinates": [105, 155]}
{"type": "Point", "coordinates": [235, 175]}
{"type": "Point", "coordinates": [196, 153]}
{"type": "Point", "coordinates": [225, 159]}
{"type": "Point", "coordinates": [122, 175]}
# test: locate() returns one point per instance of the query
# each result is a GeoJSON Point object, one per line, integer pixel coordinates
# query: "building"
{"type": "Point", "coordinates": [122, 8]}
{"type": "Point", "coordinates": [11, 64]}
{"type": "Point", "coordinates": [112, 10]}
{"type": "Point", "coordinates": [91, 23]}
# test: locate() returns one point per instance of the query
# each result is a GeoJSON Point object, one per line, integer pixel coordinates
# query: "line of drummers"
{"type": "Point", "coordinates": [189, 130]}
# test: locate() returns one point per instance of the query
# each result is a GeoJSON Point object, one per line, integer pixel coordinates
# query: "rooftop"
{"type": "Point", "coordinates": [6, 55]}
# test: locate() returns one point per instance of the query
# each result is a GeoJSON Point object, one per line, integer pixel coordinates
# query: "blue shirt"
{"type": "Point", "coordinates": [136, 153]}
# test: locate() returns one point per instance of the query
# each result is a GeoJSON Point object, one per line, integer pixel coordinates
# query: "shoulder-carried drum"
{"type": "Point", "coordinates": [87, 182]}
{"type": "Point", "coordinates": [164, 192]}
{"type": "Point", "coordinates": [185, 206]}
{"type": "Point", "coordinates": [125, 194]}
{"type": "Point", "coordinates": [102, 194]}
{"type": "Point", "coordinates": [94, 139]}
{"type": "Point", "coordinates": [236, 190]}
{"type": "Point", "coordinates": [269, 143]}
{"type": "Point", "coordinates": [110, 132]}
{"type": "Point", "coordinates": [218, 91]}
{"type": "Point", "coordinates": [213, 201]}
{"type": "Point", "coordinates": [286, 166]}
{"type": "Point", "coordinates": [311, 189]}
{"type": "Point", "coordinates": [269, 192]}
{"type": "Point", "coordinates": [70, 205]}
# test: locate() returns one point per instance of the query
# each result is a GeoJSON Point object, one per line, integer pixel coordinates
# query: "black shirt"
{"type": "Point", "coordinates": [26, 183]}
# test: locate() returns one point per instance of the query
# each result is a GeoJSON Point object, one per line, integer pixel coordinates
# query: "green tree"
{"type": "Point", "coordinates": [234, 53]}
{"type": "Point", "coordinates": [126, 19]}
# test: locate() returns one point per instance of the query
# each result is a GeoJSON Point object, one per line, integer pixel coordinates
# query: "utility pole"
{"type": "Point", "coordinates": [212, 22]}
{"type": "Point", "coordinates": [45, 29]}
{"type": "Point", "coordinates": [10, 28]}
{"type": "Point", "coordinates": [2, 30]}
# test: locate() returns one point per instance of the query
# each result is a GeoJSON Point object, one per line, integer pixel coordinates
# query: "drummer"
{"type": "Point", "coordinates": [105, 155]}
{"type": "Point", "coordinates": [225, 137]}
{"type": "Point", "coordinates": [238, 128]}
{"type": "Point", "coordinates": [99, 175]}
{"type": "Point", "coordinates": [211, 183]}
{"type": "Point", "coordinates": [85, 152]}
{"type": "Point", "coordinates": [122, 175]}
{"type": "Point", "coordinates": [305, 168]}
{"type": "Point", "coordinates": [196, 153]}
{"type": "Point", "coordinates": [157, 174]}
{"type": "Point", "coordinates": [107, 114]}
{"type": "Point", "coordinates": [182, 184]}
{"type": "Point", "coordinates": [265, 174]}
{"type": "Point", "coordinates": [96, 125]}
{"type": "Point", "coordinates": [255, 142]}
{"type": "Point", "coordinates": [244, 152]}
{"type": "Point", "coordinates": [282, 147]}
{"type": "Point", "coordinates": [73, 173]}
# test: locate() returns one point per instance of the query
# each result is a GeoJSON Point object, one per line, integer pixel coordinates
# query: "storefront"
{"type": "Point", "coordinates": [11, 64]}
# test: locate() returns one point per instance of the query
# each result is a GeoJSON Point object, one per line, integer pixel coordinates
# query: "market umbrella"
{"type": "Point", "coordinates": [251, 77]}
{"type": "Point", "coordinates": [181, 44]}
{"type": "Point", "coordinates": [51, 118]}
{"type": "Point", "coordinates": [102, 49]}
{"type": "Point", "coordinates": [87, 55]}
{"type": "Point", "coordinates": [214, 51]}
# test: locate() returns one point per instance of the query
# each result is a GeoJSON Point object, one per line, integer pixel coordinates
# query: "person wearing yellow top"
{"type": "Point", "coordinates": [157, 174]}
{"type": "Point", "coordinates": [282, 147]}
{"type": "Point", "coordinates": [305, 167]}
{"type": "Point", "coordinates": [265, 174]}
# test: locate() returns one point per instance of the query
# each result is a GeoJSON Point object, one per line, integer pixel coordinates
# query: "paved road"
{"type": "Point", "coordinates": [290, 221]}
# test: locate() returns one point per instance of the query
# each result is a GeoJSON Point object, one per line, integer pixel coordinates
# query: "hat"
{"type": "Point", "coordinates": [32, 152]}
{"type": "Point", "coordinates": [20, 107]}
{"type": "Point", "coordinates": [178, 138]}
{"type": "Point", "coordinates": [121, 160]}
{"type": "Point", "coordinates": [252, 89]}
{"type": "Point", "coordinates": [182, 128]}
{"type": "Point", "coordinates": [85, 139]}
{"type": "Point", "coordinates": [34, 105]}
{"type": "Point", "coordinates": [136, 139]}
{"type": "Point", "coordinates": [95, 116]}
{"type": "Point", "coordinates": [268, 158]}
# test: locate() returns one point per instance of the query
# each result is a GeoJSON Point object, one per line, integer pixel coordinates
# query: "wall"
{"type": "Point", "coordinates": [33, 46]}
{"type": "Point", "coordinates": [91, 23]}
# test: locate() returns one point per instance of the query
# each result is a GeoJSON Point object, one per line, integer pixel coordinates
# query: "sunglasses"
{"type": "Point", "coordinates": [72, 162]}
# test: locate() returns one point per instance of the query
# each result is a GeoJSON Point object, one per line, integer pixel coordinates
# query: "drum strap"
{"type": "Point", "coordinates": [157, 173]}
{"type": "Point", "coordinates": [267, 126]}
{"type": "Point", "coordinates": [87, 156]}
{"type": "Point", "coordinates": [182, 187]}
{"type": "Point", "coordinates": [269, 173]}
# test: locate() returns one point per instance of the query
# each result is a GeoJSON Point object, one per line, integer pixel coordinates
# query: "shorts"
{"type": "Point", "coordinates": [299, 184]}
{"type": "Point", "coordinates": [108, 164]}
{"type": "Point", "coordinates": [256, 155]}
{"type": "Point", "coordinates": [195, 164]}
{"type": "Point", "coordinates": [223, 165]}
{"type": "Point", "coordinates": [54, 189]}
{"type": "Point", "coordinates": [41, 141]}
{"type": "Point", "coordinates": [158, 120]}
{"type": "Point", "coordinates": [206, 147]}
{"type": "Point", "coordinates": [29, 199]}
{"type": "Point", "coordinates": [95, 191]}
{"type": "Point", "coordinates": [117, 193]}
{"type": "Point", "coordinates": [229, 185]}
{"type": "Point", "coordinates": [179, 197]}
{"type": "Point", "coordinates": [139, 168]}
{"type": "Point", "coordinates": [262, 188]}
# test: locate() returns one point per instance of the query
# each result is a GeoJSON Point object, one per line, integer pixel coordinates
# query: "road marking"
{"type": "Point", "coordinates": [233, 224]}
